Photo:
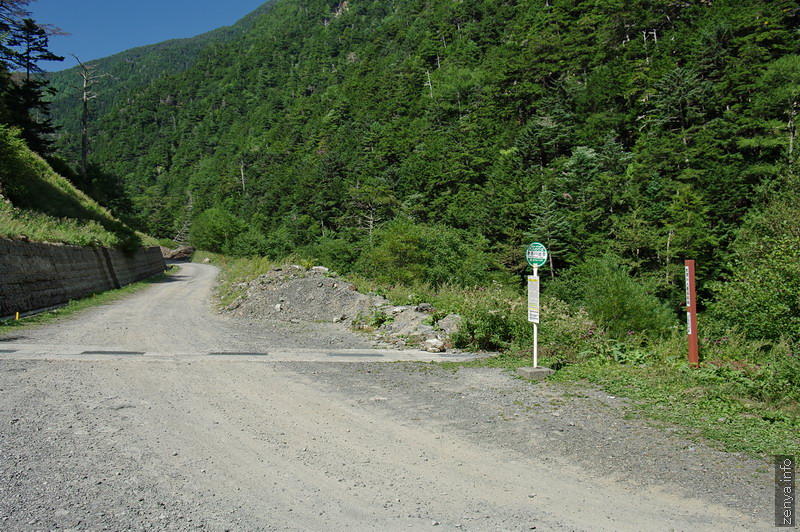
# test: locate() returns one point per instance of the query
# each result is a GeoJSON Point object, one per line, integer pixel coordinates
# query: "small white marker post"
{"type": "Point", "coordinates": [536, 255]}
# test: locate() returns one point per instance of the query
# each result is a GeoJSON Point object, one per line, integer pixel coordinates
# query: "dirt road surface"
{"type": "Point", "coordinates": [154, 413]}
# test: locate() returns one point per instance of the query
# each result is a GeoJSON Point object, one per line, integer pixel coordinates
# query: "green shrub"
{"type": "Point", "coordinates": [214, 228]}
{"type": "Point", "coordinates": [250, 243]}
{"type": "Point", "coordinates": [336, 253]}
{"type": "Point", "coordinates": [616, 301]}
{"type": "Point", "coordinates": [405, 252]}
{"type": "Point", "coordinates": [280, 242]}
{"type": "Point", "coordinates": [761, 295]}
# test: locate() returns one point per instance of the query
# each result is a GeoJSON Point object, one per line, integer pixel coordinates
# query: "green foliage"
{"type": "Point", "coordinates": [215, 230]}
{"type": "Point", "coordinates": [369, 321]}
{"type": "Point", "coordinates": [618, 302]}
{"type": "Point", "coordinates": [43, 206]}
{"type": "Point", "coordinates": [762, 293]}
{"type": "Point", "coordinates": [336, 253]}
{"type": "Point", "coordinates": [426, 142]}
{"type": "Point", "coordinates": [24, 94]}
{"type": "Point", "coordinates": [493, 318]}
{"type": "Point", "coordinates": [248, 243]}
{"type": "Point", "coordinates": [506, 119]}
{"type": "Point", "coordinates": [405, 252]}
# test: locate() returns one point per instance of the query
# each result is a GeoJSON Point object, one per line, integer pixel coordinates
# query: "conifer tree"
{"type": "Point", "coordinates": [25, 93]}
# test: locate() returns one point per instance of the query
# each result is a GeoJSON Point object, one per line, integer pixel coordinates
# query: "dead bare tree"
{"type": "Point", "coordinates": [89, 78]}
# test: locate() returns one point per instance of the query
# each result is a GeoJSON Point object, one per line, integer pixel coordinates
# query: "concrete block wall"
{"type": "Point", "coordinates": [35, 275]}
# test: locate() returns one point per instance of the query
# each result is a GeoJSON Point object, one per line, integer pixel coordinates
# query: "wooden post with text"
{"type": "Point", "coordinates": [691, 314]}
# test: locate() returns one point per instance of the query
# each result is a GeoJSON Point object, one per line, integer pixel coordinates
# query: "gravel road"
{"type": "Point", "coordinates": [291, 434]}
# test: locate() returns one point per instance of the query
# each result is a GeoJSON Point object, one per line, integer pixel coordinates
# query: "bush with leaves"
{"type": "Point", "coordinates": [618, 302]}
{"type": "Point", "coordinates": [761, 295]}
{"type": "Point", "coordinates": [405, 252]}
{"type": "Point", "coordinates": [250, 243]}
{"type": "Point", "coordinates": [214, 229]}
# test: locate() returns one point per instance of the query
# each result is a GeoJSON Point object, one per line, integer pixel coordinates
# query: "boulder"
{"type": "Point", "coordinates": [434, 345]}
{"type": "Point", "coordinates": [406, 322]}
{"type": "Point", "coordinates": [449, 324]}
{"type": "Point", "coordinates": [179, 253]}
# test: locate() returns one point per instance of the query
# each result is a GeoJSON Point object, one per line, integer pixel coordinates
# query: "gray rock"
{"type": "Point", "coordinates": [449, 324]}
{"type": "Point", "coordinates": [434, 345]}
{"type": "Point", "coordinates": [179, 253]}
{"type": "Point", "coordinates": [424, 307]}
{"type": "Point", "coordinates": [407, 322]}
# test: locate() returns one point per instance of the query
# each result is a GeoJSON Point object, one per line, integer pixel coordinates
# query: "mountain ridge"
{"type": "Point", "coordinates": [153, 62]}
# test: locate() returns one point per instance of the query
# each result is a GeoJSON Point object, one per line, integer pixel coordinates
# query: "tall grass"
{"type": "Point", "coordinates": [38, 204]}
{"type": "Point", "coordinates": [38, 227]}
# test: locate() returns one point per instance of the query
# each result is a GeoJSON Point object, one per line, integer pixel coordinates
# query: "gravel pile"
{"type": "Point", "coordinates": [292, 293]}
{"type": "Point", "coordinates": [298, 295]}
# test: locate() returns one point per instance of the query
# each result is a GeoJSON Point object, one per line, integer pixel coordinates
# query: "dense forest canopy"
{"type": "Point", "coordinates": [401, 135]}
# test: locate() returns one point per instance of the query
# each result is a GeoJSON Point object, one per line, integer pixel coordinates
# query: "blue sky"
{"type": "Point", "coordinates": [100, 28]}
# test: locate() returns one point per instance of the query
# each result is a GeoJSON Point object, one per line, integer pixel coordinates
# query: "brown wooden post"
{"type": "Point", "coordinates": [691, 314]}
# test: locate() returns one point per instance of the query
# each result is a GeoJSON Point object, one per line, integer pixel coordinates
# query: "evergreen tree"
{"type": "Point", "coordinates": [26, 93]}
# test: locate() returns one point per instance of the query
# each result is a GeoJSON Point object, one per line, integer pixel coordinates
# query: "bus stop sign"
{"type": "Point", "coordinates": [536, 254]}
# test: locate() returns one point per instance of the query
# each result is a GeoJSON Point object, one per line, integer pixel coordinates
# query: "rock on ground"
{"type": "Point", "coordinates": [179, 253]}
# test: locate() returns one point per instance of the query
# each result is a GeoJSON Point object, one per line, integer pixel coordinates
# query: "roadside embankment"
{"type": "Point", "coordinates": [36, 275]}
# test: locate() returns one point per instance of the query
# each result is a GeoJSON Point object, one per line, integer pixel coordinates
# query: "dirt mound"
{"type": "Point", "coordinates": [294, 294]}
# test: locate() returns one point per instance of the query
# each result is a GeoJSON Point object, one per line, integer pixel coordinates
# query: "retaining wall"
{"type": "Point", "coordinates": [35, 276]}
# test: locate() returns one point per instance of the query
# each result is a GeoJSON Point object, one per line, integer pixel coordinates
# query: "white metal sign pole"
{"type": "Point", "coordinates": [536, 255]}
{"type": "Point", "coordinates": [536, 323]}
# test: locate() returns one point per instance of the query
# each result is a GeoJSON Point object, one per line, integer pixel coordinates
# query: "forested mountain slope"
{"type": "Point", "coordinates": [645, 128]}
{"type": "Point", "coordinates": [129, 71]}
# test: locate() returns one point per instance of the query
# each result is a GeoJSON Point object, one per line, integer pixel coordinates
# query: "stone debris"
{"type": "Point", "coordinates": [434, 345]}
{"type": "Point", "coordinates": [179, 253]}
{"type": "Point", "coordinates": [295, 294]}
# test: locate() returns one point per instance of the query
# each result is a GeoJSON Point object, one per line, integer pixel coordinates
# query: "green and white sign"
{"type": "Point", "coordinates": [536, 254]}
